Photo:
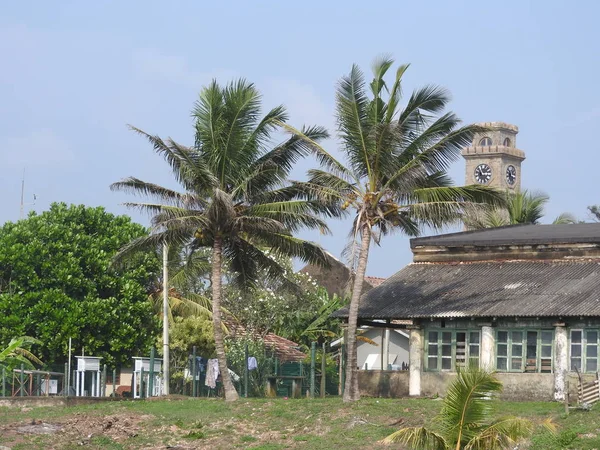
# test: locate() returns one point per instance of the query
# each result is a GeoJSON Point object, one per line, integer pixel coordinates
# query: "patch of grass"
{"type": "Point", "coordinates": [247, 438]}
{"type": "Point", "coordinates": [195, 435]}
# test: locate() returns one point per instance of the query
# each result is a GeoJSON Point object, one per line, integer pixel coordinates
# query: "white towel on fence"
{"type": "Point", "coordinates": [212, 373]}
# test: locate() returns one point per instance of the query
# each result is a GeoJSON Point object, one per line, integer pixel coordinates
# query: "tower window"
{"type": "Point", "coordinates": [507, 142]}
{"type": "Point", "coordinates": [485, 142]}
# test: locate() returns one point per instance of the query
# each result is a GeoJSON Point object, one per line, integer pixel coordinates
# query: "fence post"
{"type": "Point", "coordinates": [3, 382]}
{"type": "Point", "coordinates": [323, 370]}
{"type": "Point", "coordinates": [343, 368]}
{"type": "Point", "coordinates": [65, 384]}
{"type": "Point", "coordinates": [104, 381]}
{"type": "Point", "coordinates": [276, 366]}
{"type": "Point", "coordinates": [246, 370]}
{"type": "Point", "coordinates": [194, 385]}
{"type": "Point", "coordinates": [313, 351]}
{"type": "Point", "coordinates": [114, 392]}
{"type": "Point", "coordinates": [21, 393]}
{"type": "Point", "coordinates": [151, 374]}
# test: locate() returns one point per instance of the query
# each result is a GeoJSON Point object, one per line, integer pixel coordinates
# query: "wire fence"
{"type": "Point", "coordinates": [253, 375]}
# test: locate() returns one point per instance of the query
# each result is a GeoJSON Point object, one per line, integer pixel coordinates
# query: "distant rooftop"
{"type": "Point", "coordinates": [516, 235]}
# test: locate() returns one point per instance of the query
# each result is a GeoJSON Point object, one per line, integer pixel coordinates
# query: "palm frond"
{"type": "Point", "coordinates": [417, 438]}
{"type": "Point", "coordinates": [501, 435]}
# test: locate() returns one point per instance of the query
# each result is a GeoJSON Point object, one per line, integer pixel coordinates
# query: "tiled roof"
{"type": "Point", "coordinates": [486, 289]}
{"type": "Point", "coordinates": [284, 349]}
{"type": "Point", "coordinates": [374, 281]}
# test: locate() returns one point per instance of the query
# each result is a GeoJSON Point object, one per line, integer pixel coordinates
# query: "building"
{"type": "Point", "coordinates": [336, 277]}
{"type": "Point", "coordinates": [380, 348]}
{"type": "Point", "coordinates": [494, 159]}
{"type": "Point", "coordinates": [521, 300]}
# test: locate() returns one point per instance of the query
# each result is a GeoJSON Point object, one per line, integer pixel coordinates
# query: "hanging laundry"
{"type": "Point", "coordinates": [212, 373]}
{"type": "Point", "coordinates": [252, 364]}
{"type": "Point", "coordinates": [234, 376]}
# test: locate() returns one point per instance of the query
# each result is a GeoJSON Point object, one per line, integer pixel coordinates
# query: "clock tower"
{"type": "Point", "coordinates": [493, 158]}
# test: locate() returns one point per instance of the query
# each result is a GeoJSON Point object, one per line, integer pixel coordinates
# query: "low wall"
{"type": "Point", "coordinates": [36, 402]}
{"type": "Point", "coordinates": [517, 386]}
{"type": "Point", "coordinates": [383, 383]}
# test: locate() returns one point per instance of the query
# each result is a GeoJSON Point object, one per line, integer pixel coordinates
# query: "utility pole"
{"type": "Point", "coordinates": [166, 320]}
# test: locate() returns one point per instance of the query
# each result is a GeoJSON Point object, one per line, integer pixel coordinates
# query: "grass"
{"type": "Point", "coordinates": [266, 424]}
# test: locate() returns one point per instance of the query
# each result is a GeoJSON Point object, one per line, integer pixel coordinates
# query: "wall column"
{"type": "Point", "coordinates": [561, 360]}
{"type": "Point", "coordinates": [488, 348]}
{"type": "Point", "coordinates": [386, 350]}
{"type": "Point", "coordinates": [415, 358]}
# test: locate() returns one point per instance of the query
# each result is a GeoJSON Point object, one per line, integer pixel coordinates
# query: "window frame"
{"type": "Point", "coordinates": [540, 345]}
{"type": "Point", "coordinates": [507, 142]}
{"type": "Point", "coordinates": [453, 343]}
{"type": "Point", "coordinates": [487, 139]}
{"type": "Point", "coordinates": [583, 345]}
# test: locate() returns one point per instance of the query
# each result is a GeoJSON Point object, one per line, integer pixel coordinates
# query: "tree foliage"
{"type": "Point", "coordinates": [56, 283]}
{"type": "Point", "coordinates": [465, 421]}
{"type": "Point", "coordinates": [522, 207]}
{"type": "Point", "coordinates": [18, 352]}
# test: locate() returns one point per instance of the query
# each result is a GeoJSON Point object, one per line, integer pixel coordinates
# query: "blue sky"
{"type": "Point", "coordinates": [75, 73]}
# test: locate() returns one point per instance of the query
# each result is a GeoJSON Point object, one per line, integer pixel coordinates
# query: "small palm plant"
{"type": "Point", "coordinates": [18, 352]}
{"type": "Point", "coordinates": [522, 207]}
{"type": "Point", "coordinates": [464, 422]}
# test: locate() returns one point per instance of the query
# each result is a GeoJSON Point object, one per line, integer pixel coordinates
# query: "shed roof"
{"type": "Point", "coordinates": [516, 235]}
{"type": "Point", "coordinates": [486, 289]}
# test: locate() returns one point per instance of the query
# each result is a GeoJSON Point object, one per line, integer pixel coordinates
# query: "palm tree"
{"type": "Point", "coordinates": [18, 352]}
{"type": "Point", "coordinates": [522, 207]}
{"type": "Point", "coordinates": [236, 200]}
{"type": "Point", "coordinates": [395, 177]}
{"type": "Point", "coordinates": [464, 421]}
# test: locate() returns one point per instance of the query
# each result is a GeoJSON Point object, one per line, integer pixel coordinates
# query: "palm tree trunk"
{"type": "Point", "coordinates": [351, 391]}
{"type": "Point", "coordinates": [230, 392]}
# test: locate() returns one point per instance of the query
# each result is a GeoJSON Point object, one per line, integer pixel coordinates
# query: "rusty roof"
{"type": "Point", "coordinates": [284, 349]}
{"type": "Point", "coordinates": [486, 289]}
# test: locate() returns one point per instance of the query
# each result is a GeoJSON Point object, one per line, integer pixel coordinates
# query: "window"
{"type": "Point", "coordinates": [485, 142]}
{"type": "Point", "coordinates": [507, 142]}
{"type": "Point", "coordinates": [449, 349]}
{"type": "Point", "coordinates": [524, 351]}
{"type": "Point", "coordinates": [584, 350]}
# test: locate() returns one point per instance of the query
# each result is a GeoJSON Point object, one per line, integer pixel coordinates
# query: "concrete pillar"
{"type": "Point", "coordinates": [488, 348]}
{"type": "Point", "coordinates": [415, 358]}
{"type": "Point", "coordinates": [77, 385]}
{"type": "Point", "coordinates": [386, 349]}
{"type": "Point", "coordinates": [561, 360]}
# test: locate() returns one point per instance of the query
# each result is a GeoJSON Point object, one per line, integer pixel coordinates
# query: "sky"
{"type": "Point", "coordinates": [74, 74]}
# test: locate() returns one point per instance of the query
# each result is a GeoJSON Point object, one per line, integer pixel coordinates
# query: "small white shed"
{"type": "Point", "coordinates": [140, 382]}
{"type": "Point", "coordinates": [87, 364]}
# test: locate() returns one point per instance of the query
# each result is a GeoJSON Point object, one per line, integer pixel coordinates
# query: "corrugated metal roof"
{"type": "Point", "coordinates": [486, 289]}
{"type": "Point", "coordinates": [516, 235]}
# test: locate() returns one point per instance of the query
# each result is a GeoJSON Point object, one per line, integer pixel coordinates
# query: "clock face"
{"type": "Point", "coordinates": [511, 175]}
{"type": "Point", "coordinates": [483, 174]}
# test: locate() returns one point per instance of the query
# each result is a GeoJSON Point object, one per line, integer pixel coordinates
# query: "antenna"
{"type": "Point", "coordinates": [22, 213]}
{"type": "Point", "coordinates": [22, 195]}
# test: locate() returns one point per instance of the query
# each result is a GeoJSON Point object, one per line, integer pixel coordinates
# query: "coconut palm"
{"type": "Point", "coordinates": [236, 201]}
{"type": "Point", "coordinates": [18, 352]}
{"type": "Point", "coordinates": [395, 178]}
{"type": "Point", "coordinates": [522, 207]}
{"type": "Point", "coordinates": [464, 423]}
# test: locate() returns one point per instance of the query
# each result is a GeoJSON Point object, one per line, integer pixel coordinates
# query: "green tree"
{"type": "Point", "coordinates": [464, 423]}
{"type": "Point", "coordinates": [395, 177]}
{"type": "Point", "coordinates": [56, 283]}
{"type": "Point", "coordinates": [522, 207]}
{"type": "Point", "coordinates": [237, 201]}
